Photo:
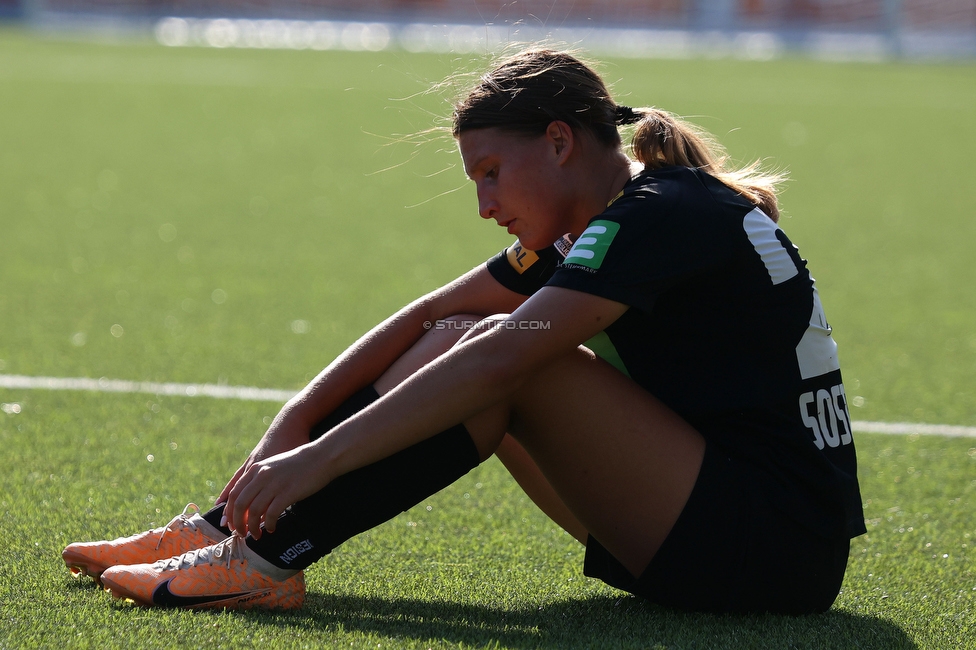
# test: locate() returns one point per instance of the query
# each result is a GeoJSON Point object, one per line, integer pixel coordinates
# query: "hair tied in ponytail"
{"type": "Point", "coordinates": [626, 115]}
{"type": "Point", "coordinates": [528, 91]}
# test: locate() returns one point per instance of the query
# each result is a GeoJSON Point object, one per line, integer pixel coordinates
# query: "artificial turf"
{"type": "Point", "coordinates": [474, 566]}
{"type": "Point", "coordinates": [234, 215]}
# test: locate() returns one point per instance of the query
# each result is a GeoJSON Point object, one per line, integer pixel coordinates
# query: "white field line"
{"type": "Point", "coordinates": [252, 393]}
{"type": "Point", "coordinates": [910, 428]}
{"type": "Point", "coordinates": [104, 385]}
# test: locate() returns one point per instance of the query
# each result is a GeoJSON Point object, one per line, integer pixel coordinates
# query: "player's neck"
{"type": "Point", "coordinates": [600, 181]}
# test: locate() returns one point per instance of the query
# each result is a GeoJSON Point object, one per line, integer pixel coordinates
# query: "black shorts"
{"type": "Point", "coordinates": [731, 550]}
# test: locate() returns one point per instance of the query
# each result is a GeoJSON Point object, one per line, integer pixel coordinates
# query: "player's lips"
{"type": "Point", "coordinates": [507, 225]}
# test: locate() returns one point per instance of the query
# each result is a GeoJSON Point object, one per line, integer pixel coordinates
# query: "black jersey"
{"type": "Point", "coordinates": [725, 326]}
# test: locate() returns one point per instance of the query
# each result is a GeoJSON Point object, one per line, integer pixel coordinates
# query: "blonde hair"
{"type": "Point", "coordinates": [526, 92]}
{"type": "Point", "coordinates": [663, 139]}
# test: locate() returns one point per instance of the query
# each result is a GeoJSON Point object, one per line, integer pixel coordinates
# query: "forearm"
{"type": "Point", "coordinates": [355, 368]}
{"type": "Point", "coordinates": [474, 293]}
{"type": "Point", "coordinates": [358, 366]}
{"type": "Point", "coordinates": [478, 374]}
{"type": "Point", "coordinates": [456, 386]}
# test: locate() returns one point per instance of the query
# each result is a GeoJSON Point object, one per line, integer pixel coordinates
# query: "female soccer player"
{"type": "Point", "coordinates": [712, 469]}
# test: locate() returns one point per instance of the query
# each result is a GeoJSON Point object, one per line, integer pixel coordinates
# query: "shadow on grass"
{"type": "Point", "coordinates": [82, 583]}
{"type": "Point", "coordinates": [597, 622]}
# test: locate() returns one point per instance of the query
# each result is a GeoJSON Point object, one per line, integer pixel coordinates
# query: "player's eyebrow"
{"type": "Point", "coordinates": [469, 170]}
{"type": "Point", "coordinates": [476, 166]}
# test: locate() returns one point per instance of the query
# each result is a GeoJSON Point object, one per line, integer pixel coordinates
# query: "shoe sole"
{"type": "Point", "coordinates": [79, 565]}
{"type": "Point", "coordinates": [118, 592]}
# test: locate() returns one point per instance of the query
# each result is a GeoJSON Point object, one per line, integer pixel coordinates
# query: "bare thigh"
{"type": "Point", "coordinates": [616, 458]}
{"type": "Point", "coordinates": [622, 462]}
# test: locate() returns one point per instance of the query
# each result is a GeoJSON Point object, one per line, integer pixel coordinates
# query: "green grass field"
{"type": "Point", "coordinates": [234, 214]}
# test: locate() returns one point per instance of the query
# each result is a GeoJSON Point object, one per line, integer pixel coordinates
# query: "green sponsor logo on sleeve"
{"type": "Point", "coordinates": [590, 249]}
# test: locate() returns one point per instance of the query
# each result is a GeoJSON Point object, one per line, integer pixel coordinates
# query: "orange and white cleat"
{"type": "Point", "coordinates": [187, 531]}
{"type": "Point", "coordinates": [227, 575]}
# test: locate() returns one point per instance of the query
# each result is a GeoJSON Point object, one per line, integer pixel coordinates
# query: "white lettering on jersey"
{"type": "Point", "coordinates": [564, 244]}
{"type": "Point", "coordinates": [816, 353]}
{"type": "Point", "coordinates": [831, 424]}
{"type": "Point", "coordinates": [586, 239]}
{"type": "Point", "coordinates": [762, 233]}
{"type": "Point", "coordinates": [837, 393]}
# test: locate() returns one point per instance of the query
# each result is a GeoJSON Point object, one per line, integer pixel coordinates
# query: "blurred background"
{"type": "Point", "coordinates": [756, 29]}
{"type": "Point", "coordinates": [171, 171]}
{"type": "Point", "coordinates": [230, 193]}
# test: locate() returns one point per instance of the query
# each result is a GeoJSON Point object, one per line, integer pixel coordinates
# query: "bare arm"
{"type": "Point", "coordinates": [466, 381]}
{"type": "Point", "coordinates": [475, 292]}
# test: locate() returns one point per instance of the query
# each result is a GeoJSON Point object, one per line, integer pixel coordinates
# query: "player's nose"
{"type": "Point", "coordinates": [487, 206]}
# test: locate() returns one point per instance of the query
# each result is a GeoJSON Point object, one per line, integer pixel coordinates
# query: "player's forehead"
{"type": "Point", "coordinates": [480, 147]}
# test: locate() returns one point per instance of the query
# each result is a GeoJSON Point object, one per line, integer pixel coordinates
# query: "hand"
{"type": "Point", "coordinates": [263, 490]}
{"type": "Point", "coordinates": [283, 435]}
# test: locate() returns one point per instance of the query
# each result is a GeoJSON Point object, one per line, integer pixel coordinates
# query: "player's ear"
{"type": "Point", "coordinates": [561, 139]}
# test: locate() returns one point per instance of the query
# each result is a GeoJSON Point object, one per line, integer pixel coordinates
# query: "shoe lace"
{"type": "Point", "coordinates": [225, 551]}
{"type": "Point", "coordinates": [180, 522]}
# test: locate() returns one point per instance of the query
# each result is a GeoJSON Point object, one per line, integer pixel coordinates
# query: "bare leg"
{"type": "Point", "coordinates": [430, 346]}
{"type": "Point", "coordinates": [531, 479]}
{"type": "Point", "coordinates": [609, 458]}
{"type": "Point", "coordinates": [621, 461]}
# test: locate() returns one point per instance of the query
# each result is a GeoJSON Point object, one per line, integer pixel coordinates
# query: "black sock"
{"type": "Point", "coordinates": [367, 497]}
{"type": "Point", "coordinates": [353, 405]}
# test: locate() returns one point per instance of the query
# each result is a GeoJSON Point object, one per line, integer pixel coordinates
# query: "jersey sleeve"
{"type": "Point", "coordinates": [524, 271]}
{"type": "Point", "coordinates": [641, 246]}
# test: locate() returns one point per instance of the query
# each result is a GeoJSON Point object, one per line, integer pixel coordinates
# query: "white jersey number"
{"type": "Point", "coordinates": [829, 419]}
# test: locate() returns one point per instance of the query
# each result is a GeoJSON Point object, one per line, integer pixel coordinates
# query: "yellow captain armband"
{"type": "Point", "coordinates": [520, 258]}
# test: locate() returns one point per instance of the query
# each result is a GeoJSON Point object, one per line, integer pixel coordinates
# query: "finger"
{"type": "Point", "coordinates": [254, 525]}
{"type": "Point", "coordinates": [226, 519]}
{"type": "Point", "coordinates": [225, 495]}
{"type": "Point", "coordinates": [256, 511]}
{"type": "Point", "coordinates": [232, 511]}
{"type": "Point", "coordinates": [242, 505]}
{"type": "Point", "coordinates": [230, 484]}
{"type": "Point", "coordinates": [275, 508]}
{"type": "Point", "coordinates": [238, 515]}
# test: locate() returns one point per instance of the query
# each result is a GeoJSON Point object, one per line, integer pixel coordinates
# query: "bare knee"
{"type": "Point", "coordinates": [445, 332]}
{"type": "Point", "coordinates": [440, 337]}
{"type": "Point", "coordinates": [481, 326]}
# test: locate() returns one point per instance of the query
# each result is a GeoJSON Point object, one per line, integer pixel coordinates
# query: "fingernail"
{"type": "Point", "coordinates": [223, 520]}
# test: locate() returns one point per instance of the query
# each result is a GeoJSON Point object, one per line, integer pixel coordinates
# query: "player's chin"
{"type": "Point", "coordinates": [536, 241]}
